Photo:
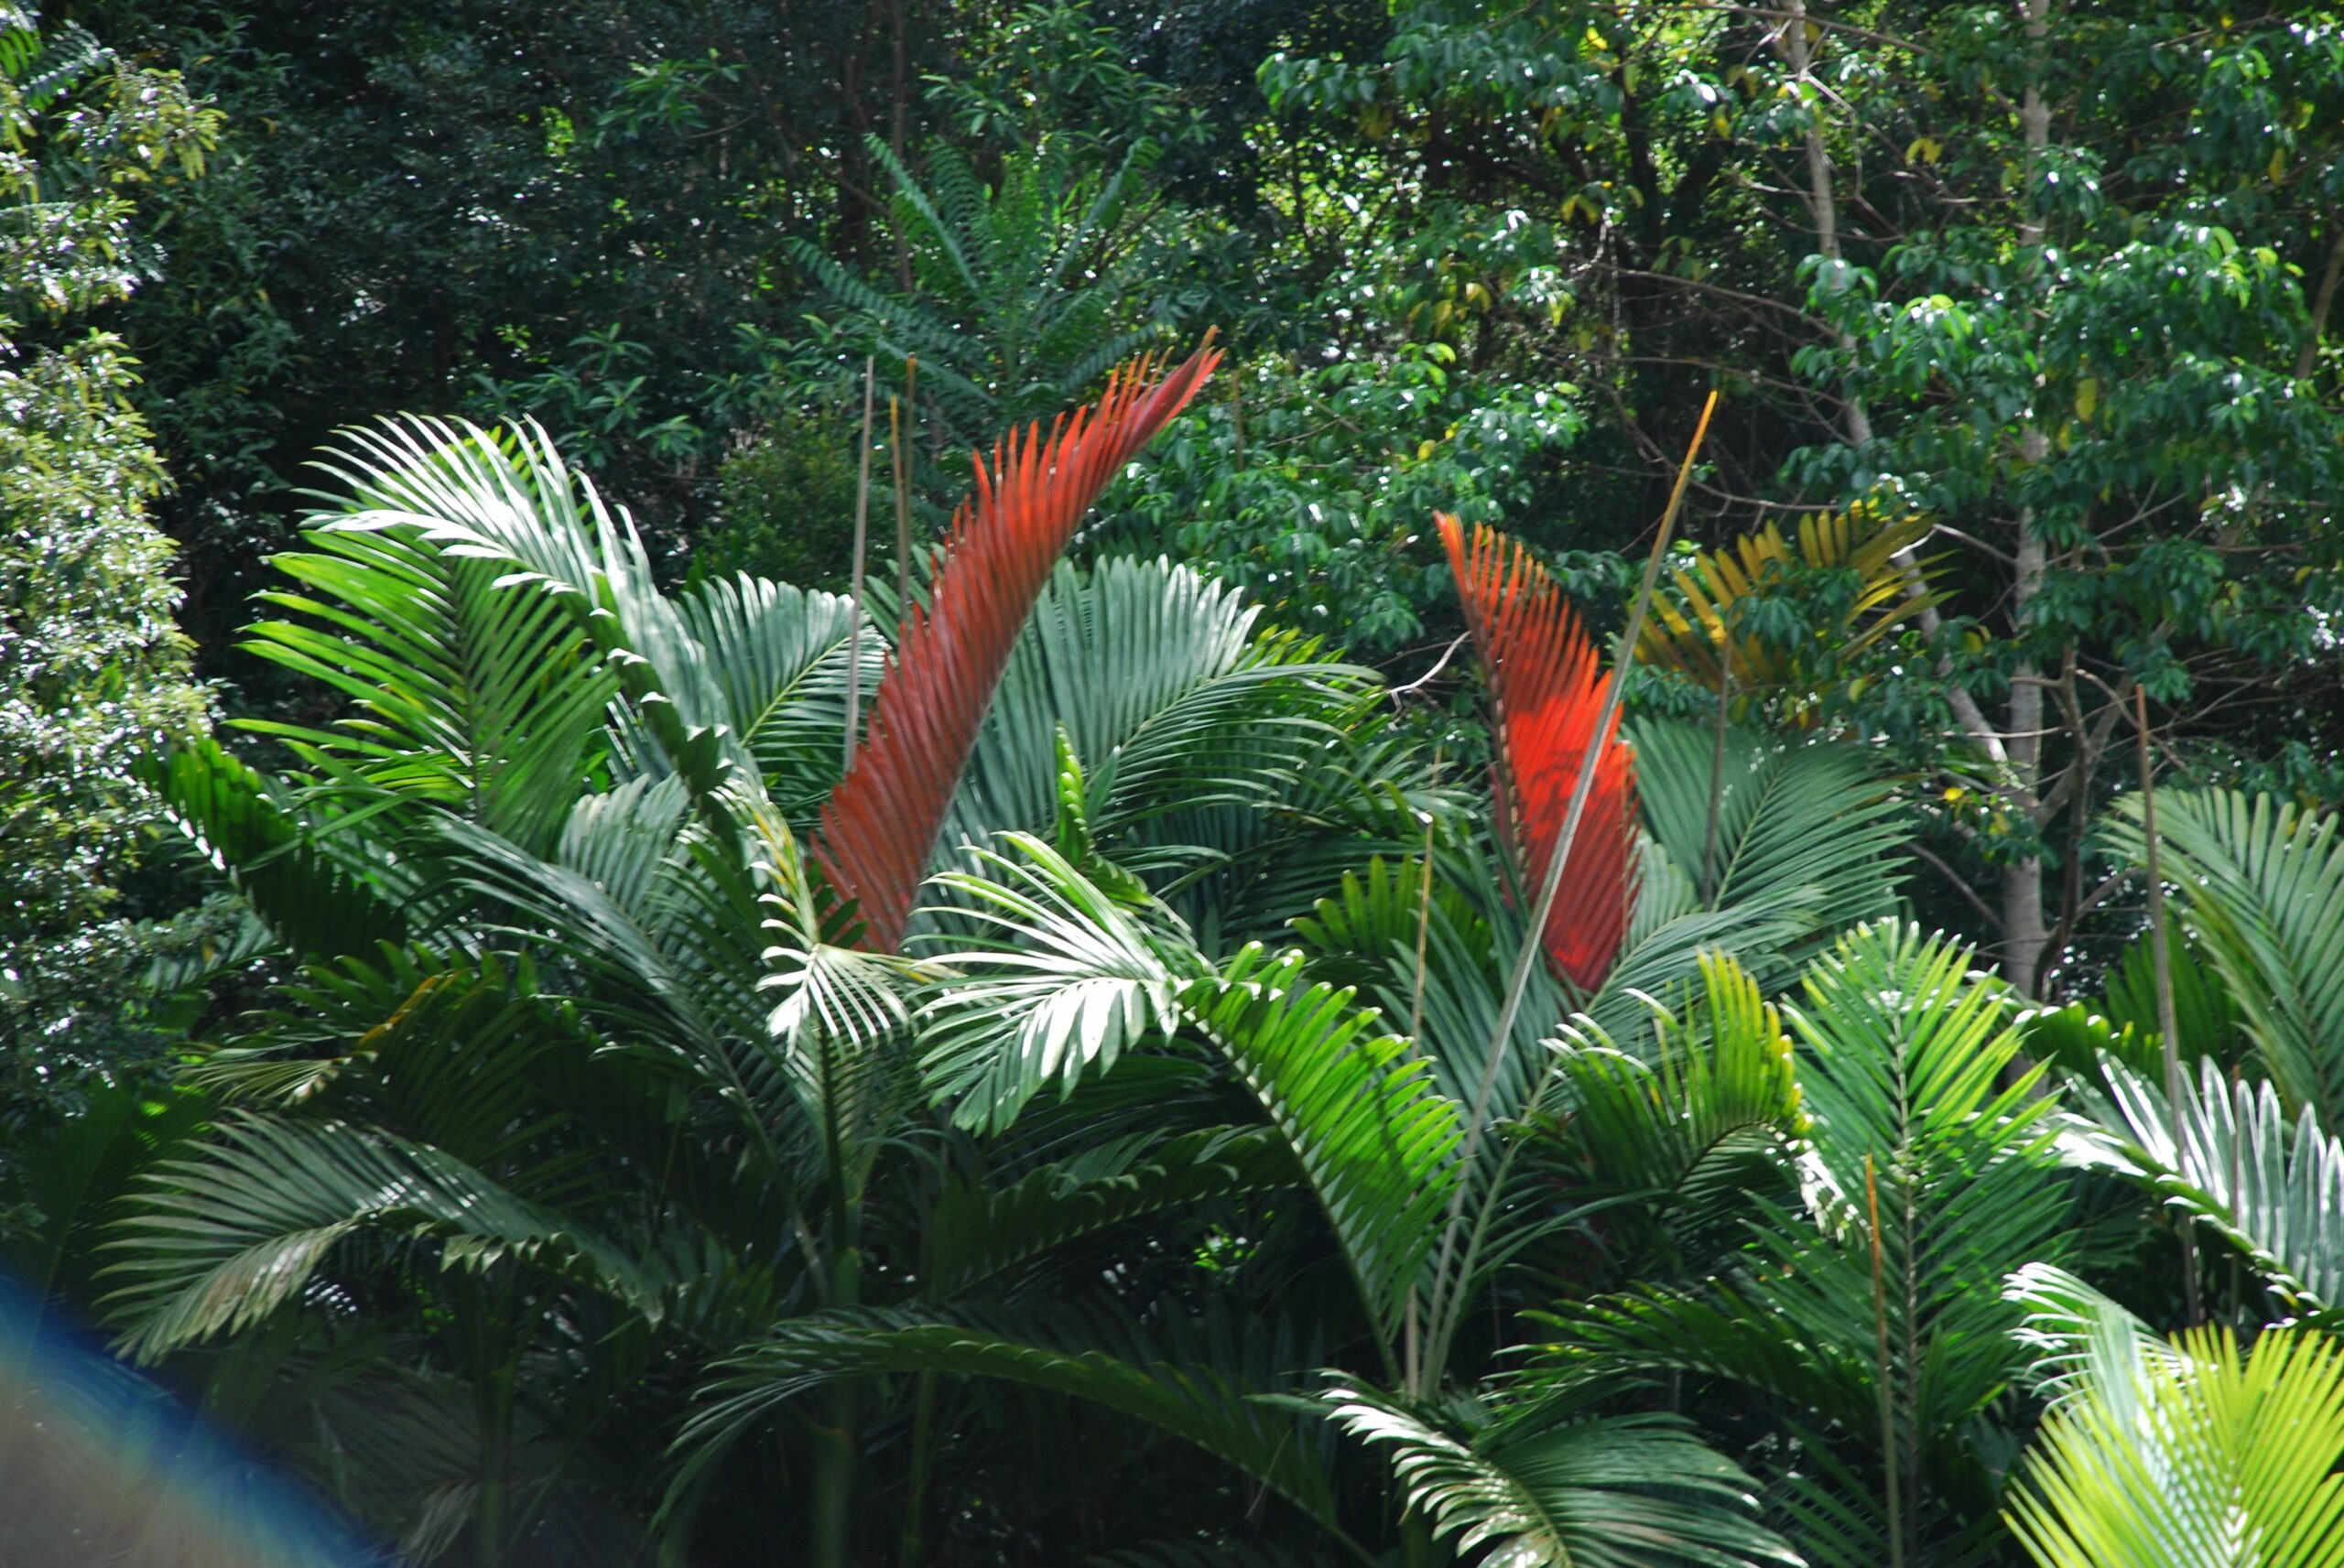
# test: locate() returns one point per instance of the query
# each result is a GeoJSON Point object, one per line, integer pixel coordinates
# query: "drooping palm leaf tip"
{"type": "Point", "coordinates": [1547, 693]}
{"type": "Point", "coordinates": [881, 823]}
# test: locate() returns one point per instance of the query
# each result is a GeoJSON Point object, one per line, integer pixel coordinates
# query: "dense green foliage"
{"type": "Point", "coordinates": [442, 1040]}
{"type": "Point", "coordinates": [94, 671]}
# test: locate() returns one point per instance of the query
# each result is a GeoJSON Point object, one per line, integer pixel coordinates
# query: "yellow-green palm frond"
{"type": "Point", "coordinates": [2198, 1455]}
{"type": "Point", "coordinates": [1714, 624]}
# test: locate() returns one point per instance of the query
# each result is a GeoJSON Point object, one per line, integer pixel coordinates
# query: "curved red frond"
{"type": "Point", "coordinates": [1548, 690]}
{"type": "Point", "coordinates": [879, 825]}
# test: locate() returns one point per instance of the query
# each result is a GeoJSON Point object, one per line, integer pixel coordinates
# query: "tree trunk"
{"type": "Point", "coordinates": [2024, 930]}
{"type": "Point", "coordinates": [898, 114]}
{"type": "Point", "coordinates": [837, 1452]}
{"type": "Point", "coordinates": [1822, 199]}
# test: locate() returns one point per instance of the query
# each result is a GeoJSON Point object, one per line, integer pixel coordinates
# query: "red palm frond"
{"type": "Point", "coordinates": [880, 824]}
{"type": "Point", "coordinates": [1548, 691]}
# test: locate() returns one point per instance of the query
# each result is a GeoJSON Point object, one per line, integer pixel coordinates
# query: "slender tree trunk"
{"type": "Point", "coordinates": [1823, 205]}
{"type": "Point", "coordinates": [1892, 1449]}
{"type": "Point", "coordinates": [838, 1453]}
{"type": "Point", "coordinates": [837, 1457]}
{"type": "Point", "coordinates": [1418, 1548]}
{"type": "Point", "coordinates": [914, 1550]}
{"type": "Point", "coordinates": [2168, 1022]}
{"type": "Point", "coordinates": [899, 113]}
{"type": "Point", "coordinates": [2025, 929]}
{"type": "Point", "coordinates": [486, 1304]}
{"type": "Point", "coordinates": [1823, 198]}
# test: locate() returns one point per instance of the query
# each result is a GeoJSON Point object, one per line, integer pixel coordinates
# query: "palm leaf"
{"type": "Point", "coordinates": [2207, 1019]}
{"type": "Point", "coordinates": [1807, 827]}
{"type": "Point", "coordinates": [1713, 1114]}
{"type": "Point", "coordinates": [2066, 1322]}
{"type": "Point", "coordinates": [470, 694]}
{"type": "Point", "coordinates": [989, 1238]}
{"type": "Point", "coordinates": [1718, 626]}
{"type": "Point", "coordinates": [2207, 1456]}
{"type": "Point", "coordinates": [1370, 929]}
{"type": "Point", "coordinates": [880, 826]}
{"type": "Point", "coordinates": [779, 656]}
{"type": "Point", "coordinates": [839, 1014]}
{"type": "Point", "coordinates": [1062, 978]}
{"type": "Point", "coordinates": [1373, 1137]}
{"type": "Point", "coordinates": [221, 1237]}
{"type": "Point", "coordinates": [319, 885]}
{"type": "Point", "coordinates": [1547, 693]}
{"type": "Point", "coordinates": [1207, 1397]}
{"type": "Point", "coordinates": [1629, 1491]}
{"type": "Point", "coordinates": [1916, 1146]}
{"type": "Point", "coordinates": [2261, 886]}
{"type": "Point", "coordinates": [1164, 689]}
{"type": "Point", "coordinates": [2271, 1186]}
{"type": "Point", "coordinates": [508, 498]}
{"type": "Point", "coordinates": [641, 968]}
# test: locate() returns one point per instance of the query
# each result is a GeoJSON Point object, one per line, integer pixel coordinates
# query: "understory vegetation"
{"type": "Point", "coordinates": [1172, 786]}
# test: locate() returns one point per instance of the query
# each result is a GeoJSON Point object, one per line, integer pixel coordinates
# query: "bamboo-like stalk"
{"type": "Point", "coordinates": [1424, 917]}
{"type": "Point", "coordinates": [1717, 775]}
{"type": "Point", "coordinates": [1890, 1448]}
{"type": "Point", "coordinates": [862, 539]}
{"type": "Point", "coordinates": [1412, 1342]}
{"type": "Point", "coordinates": [2161, 956]}
{"type": "Point", "coordinates": [1518, 984]}
{"type": "Point", "coordinates": [903, 459]}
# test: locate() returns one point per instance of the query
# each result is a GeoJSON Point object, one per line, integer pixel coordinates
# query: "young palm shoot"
{"type": "Point", "coordinates": [1449, 1287]}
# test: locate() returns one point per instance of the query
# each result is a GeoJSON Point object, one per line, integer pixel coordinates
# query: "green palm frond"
{"type": "Point", "coordinates": [2205, 1454]}
{"type": "Point", "coordinates": [1905, 1050]}
{"type": "Point", "coordinates": [2065, 1320]}
{"type": "Point", "coordinates": [1796, 1324]}
{"type": "Point", "coordinates": [779, 656]}
{"type": "Point", "coordinates": [441, 1048]}
{"type": "Point", "coordinates": [1375, 1139]}
{"type": "Point", "coordinates": [1711, 1116]}
{"type": "Point", "coordinates": [838, 1015]}
{"type": "Point", "coordinates": [1167, 692]}
{"type": "Point", "coordinates": [1265, 864]}
{"type": "Point", "coordinates": [1204, 1391]}
{"type": "Point", "coordinates": [1806, 844]}
{"type": "Point", "coordinates": [2207, 1019]}
{"type": "Point", "coordinates": [2261, 888]}
{"type": "Point", "coordinates": [507, 499]}
{"type": "Point", "coordinates": [1669, 933]}
{"type": "Point", "coordinates": [320, 883]}
{"type": "Point", "coordinates": [2270, 1184]}
{"type": "Point", "coordinates": [634, 971]}
{"type": "Point", "coordinates": [467, 693]}
{"type": "Point", "coordinates": [1071, 977]}
{"type": "Point", "coordinates": [1061, 977]}
{"type": "Point", "coordinates": [219, 1238]}
{"type": "Point", "coordinates": [1627, 1491]}
{"type": "Point", "coordinates": [1916, 1146]}
{"type": "Point", "coordinates": [2074, 1037]}
{"type": "Point", "coordinates": [1025, 291]}
{"type": "Point", "coordinates": [991, 1237]}
{"type": "Point", "coordinates": [1470, 924]}
{"type": "Point", "coordinates": [1810, 827]}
